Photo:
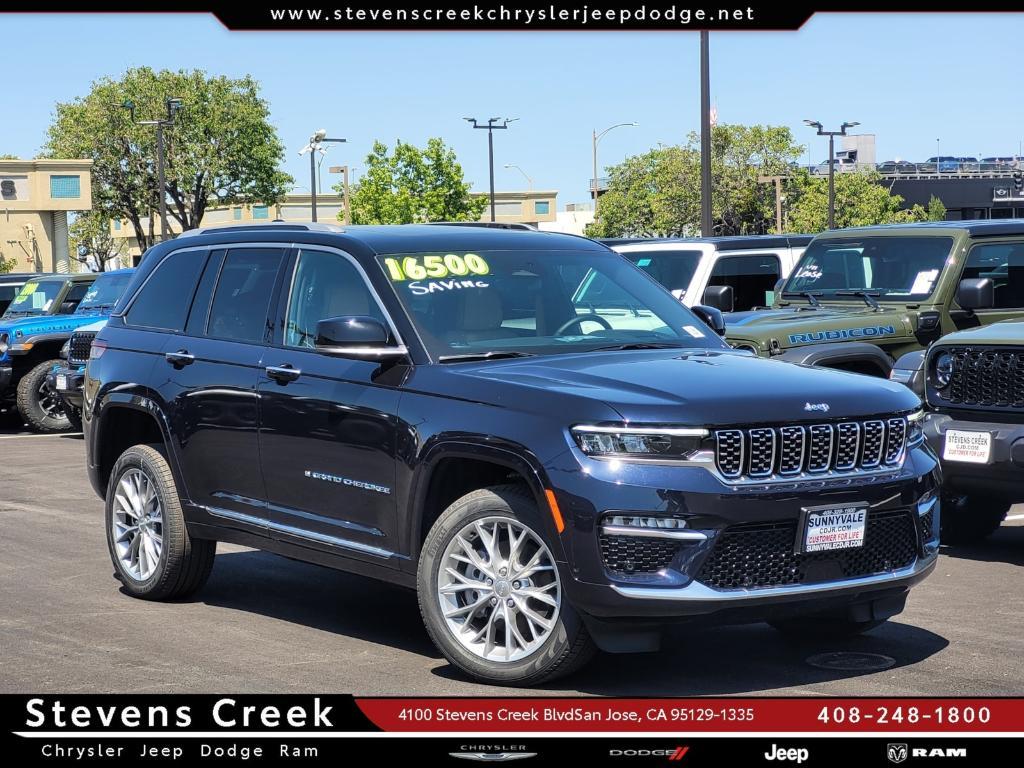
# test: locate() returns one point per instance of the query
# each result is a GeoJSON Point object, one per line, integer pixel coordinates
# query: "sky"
{"type": "Point", "coordinates": [908, 78]}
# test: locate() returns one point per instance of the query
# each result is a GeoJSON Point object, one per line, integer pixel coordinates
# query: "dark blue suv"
{"type": "Point", "coordinates": [436, 407]}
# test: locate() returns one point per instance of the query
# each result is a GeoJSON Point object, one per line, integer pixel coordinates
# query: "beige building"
{"type": "Point", "coordinates": [35, 199]}
{"type": "Point", "coordinates": [536, 208]}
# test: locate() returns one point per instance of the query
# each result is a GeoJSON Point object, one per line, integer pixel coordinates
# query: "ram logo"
{"type": "Point", "coordinates": [896, 753]}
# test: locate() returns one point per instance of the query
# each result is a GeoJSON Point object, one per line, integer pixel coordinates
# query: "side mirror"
{"type": "Point", "coordinates": [712, 317]}
{"type": "Point", "coordinates": [67, 307]}
{"type": "Point", "coordinates": [356, 336]}
{"type": "Point", "coordinates": [976, 293]}
{"type": "Point", "coordinates": [721, 297]}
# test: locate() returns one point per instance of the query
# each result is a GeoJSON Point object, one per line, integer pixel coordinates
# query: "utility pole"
{"type": "Point", "coordinates": [493, 124]}
{"type": "Point", "coordinates": [777, 181]}
{"type": "Point", "coordinates": [705, 136]}
{"type": "Point", "coordinates": [173, 105]}
{"type": "Point", "coordinates": [316, 142]}
{"type": "Point", "coordinates": [832, 163]}
{"type": "Point", "coordinates": [595, 139]}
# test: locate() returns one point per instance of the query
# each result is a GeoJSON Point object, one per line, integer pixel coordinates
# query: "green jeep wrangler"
{"type": "Point", "coordinates": [860, 299]}
{"type": "Point", "coordinates": [974, 382]}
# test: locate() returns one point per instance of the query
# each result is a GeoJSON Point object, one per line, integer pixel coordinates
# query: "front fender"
{"type": "Point", "coordinates": [839, 354]}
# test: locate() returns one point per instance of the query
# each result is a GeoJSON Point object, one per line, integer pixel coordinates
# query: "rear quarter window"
{"type": "Point", "coordinates": [163, 301]}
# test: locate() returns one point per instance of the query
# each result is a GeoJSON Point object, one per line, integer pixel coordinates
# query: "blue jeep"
{"type": "Point", "coordinates": [33, 330]}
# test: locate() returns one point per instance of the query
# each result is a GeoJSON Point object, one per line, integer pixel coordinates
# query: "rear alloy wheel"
{"type": "Point", "coordinates": [970, 519]}
{"type": "Point", "coordinates": [151, 549]}
{"type": "Point", "coordinates": [491, 594]}
{"type": "Point", "coordinates": [40, 404]}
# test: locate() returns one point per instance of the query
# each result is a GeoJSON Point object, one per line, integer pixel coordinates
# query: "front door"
{"type": "Point", "coordinates": [1003, 263]}
{"type": "Point", "coordinates": [327, 430]}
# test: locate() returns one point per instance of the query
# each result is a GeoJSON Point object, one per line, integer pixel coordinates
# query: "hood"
{"type": "Point", "coordinates": [1007, 332]}
{"type": "Point", "coordinates": [23, 327]}
{"type": "Point", "coordinates": [705, 387]}
{"type": "Point", "coordinates": [798, 326]}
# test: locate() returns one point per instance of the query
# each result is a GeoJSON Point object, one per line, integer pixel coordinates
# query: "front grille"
{"type": "Point", "coordinates": [766, 452]}
{"type": "Point", "coordinates": [986, 378]}
{"type": "Point", "coordinates": [637, 554]}
{"type": "Point", "coordinates": [78, 350]}
{"type": "Point", "coordinates": [927, 523]}
{"type": "Point", "coordinates": [753, 555]}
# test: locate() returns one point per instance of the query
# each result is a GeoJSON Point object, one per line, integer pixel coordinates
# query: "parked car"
{"type": "Point", "coordinates": [842, 165]}
{"type": "Point", "coordinates": [66, 379]}
{"type": "Point", "coordinates": [728, 273]}
{"type": "Point", "coordinates": [861, 298]}
{"type": "Point", "coordinates": [943, 164]}
{"type": "Point", "coordinates": [49, 295]}
{"type": "Point", "coordinates": [968, 164]}
{"type": "Point", "coordinates": [428, 405]}
{"type": "Point", "coordinates": [11, 284]}
{"type": "Point", "coordinates": [897, 167]}
{"type": "Point", "coordinates": [1002, 163]}
{"type": "Point", "coordinates": [30, 344]}
{"type": "Point", "coordinates": [976, 398]}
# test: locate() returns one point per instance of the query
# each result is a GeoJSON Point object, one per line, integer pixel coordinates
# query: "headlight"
{"type": "Point", "coordinates": [943, 370]}
{"type": "Point", "coordinates": [3, 344]}
{"type": "Point", "coordinates": [65, 350]}
{"type": "Point", "coordinates": [654, 442]}
{"type": "Point", "coordinates": [915, 435]}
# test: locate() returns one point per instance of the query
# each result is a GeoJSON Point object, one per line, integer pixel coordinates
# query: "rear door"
{"type": "Point", "coordinates": [328, 424]}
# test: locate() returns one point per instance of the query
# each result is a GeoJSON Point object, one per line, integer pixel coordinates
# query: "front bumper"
{"type": "Point", "coordinates": [610, 598]}
{"type": "Point", "coordinates": [1002, 475]}
{"type": "Point", "coordinates": [74, 378]}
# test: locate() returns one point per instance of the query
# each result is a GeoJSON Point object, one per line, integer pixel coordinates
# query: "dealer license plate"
{"type": "Point", "coordinates": [62, 381]}
{"type": "Point", "coordinates": [971, 447]}
{"type": "Point", "coordinates": [828, 528]}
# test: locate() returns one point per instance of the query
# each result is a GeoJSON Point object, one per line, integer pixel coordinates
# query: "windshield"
{"type": "Point", "coordinates": [104, 293]}
{"type": "Point", "coordinates": [35, 298]}
{"type": "Point", "coordinates": [894, 268]}
{"type": "Point", "coordinates": [538, 302]}
{"type": "Point", "coordinates": [673, 269]}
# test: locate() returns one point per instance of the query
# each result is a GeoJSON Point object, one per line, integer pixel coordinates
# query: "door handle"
{"type": "Point", "coordinates": [283, 373]}
{"type": "Point", "coordinates": [180, 359]}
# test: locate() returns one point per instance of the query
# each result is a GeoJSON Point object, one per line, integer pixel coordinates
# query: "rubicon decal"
{"type": "Point", "coordinates": [869, 332]}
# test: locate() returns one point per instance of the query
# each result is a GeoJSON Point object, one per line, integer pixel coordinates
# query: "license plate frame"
{"type": "Point", "coordinates": [964, 456]}
{"type": "Point", "coordinates": [852, 533]}
{"type": "Point", "coordinates": [62, 382]}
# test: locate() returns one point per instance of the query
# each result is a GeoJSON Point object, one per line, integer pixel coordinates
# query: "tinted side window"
{"type": "Point", "coordinates": [74, 297]}
{"type": "Point", "coordinates": [164, 300]}
{"type": "Point", "coordinates": [1003, 264]}
{"type": "Point", "coordinates": [750, 277]}
{"type": "Point", "coordinates": [325, 285]}
{"type": "Point", "coordinates": [242, 297]}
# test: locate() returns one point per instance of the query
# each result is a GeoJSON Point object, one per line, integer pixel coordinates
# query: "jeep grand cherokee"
{"type": "Point", "coordinates": [428, 406]}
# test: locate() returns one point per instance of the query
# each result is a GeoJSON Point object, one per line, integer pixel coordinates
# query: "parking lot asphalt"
{"type": "Point", "coordinates": [267, 624]}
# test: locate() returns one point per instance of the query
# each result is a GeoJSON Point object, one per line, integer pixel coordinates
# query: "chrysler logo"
{"type": "Point", "coordinates": [493, 757]}
{"type": "Point", "coordinates": [822, 407]}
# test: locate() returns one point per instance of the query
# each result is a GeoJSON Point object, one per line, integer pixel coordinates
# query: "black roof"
{"type": "Point", "coordinates": [974, 227]}
{"type": "Point", "coordinates": [10, 277]}
{"type": "Point", "coordinates": [721, 243]}
{"type": "Point", "coordinates": [410, 238]}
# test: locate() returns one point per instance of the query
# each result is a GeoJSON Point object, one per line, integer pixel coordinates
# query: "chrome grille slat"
{"type": "Point", "coordinates": [793, 450]}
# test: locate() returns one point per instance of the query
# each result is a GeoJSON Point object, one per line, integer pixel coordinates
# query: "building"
{"type": "Point", "coordinates": [965, 195]}
{"type": "Point", "coordinates": [536, 208]}
{"type": "Point", "coordinates": [35, 199]}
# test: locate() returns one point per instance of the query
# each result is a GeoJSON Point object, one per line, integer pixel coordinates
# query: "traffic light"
{"type": "Point", "coordinates": [1018, 183]}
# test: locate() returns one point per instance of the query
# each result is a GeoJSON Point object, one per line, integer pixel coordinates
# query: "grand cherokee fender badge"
{"type": "Point", "coordinates": [870, 332]}
{"type": "Point", "coordinates": [327, 477]}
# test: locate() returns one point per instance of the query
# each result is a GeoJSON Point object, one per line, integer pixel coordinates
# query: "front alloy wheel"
{"type": "Point", "coordinates": [498, 589]}
{"type": "Point", "coordinates": [491, 594]}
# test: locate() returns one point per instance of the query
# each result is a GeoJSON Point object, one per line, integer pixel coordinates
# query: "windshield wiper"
{"type": "Point", "coordinates": [636, 345]}
{"type": "Point", "coordinates": [493, 355]}
{"type": "Point", "coordinates": [868, 296]}
{"type": "Point", "coordinates": [812, 298]}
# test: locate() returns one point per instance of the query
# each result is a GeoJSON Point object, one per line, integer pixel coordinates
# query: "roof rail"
{"type": "Point", "coordinates": [280, 225]}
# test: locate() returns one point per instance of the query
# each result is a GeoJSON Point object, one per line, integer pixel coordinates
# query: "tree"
{"type": "Point", "coordinates": [412, 185]}
{"type": "Point", "coordinates": [6, 265]}
{"type": "Point", "coordinates": [658, 193]}
{"type": "Point", "coordinates": [860, 200]}
{"type": "Point", "coordinates": [936, 210]}
{"type": "Point", "coordinates": [9, 157]}
{"type": "Point", "coordinates": [92, 242]}
{"type": "Point", "coordinates": [221, 149]}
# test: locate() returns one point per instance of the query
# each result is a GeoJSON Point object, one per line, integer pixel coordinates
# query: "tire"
{"type": "Point", "coordinates": [74, 418]}
{"type": "Point", "coordinates": [822, 628]}
{"type": "Point", "coordinates": [39, 405]}
{"type": "Point", "coordinates": [970, 519]}
{"type": "Point", "coordinates": [182, 564]}
{"type": "Point", "coordinates": [560, 649]}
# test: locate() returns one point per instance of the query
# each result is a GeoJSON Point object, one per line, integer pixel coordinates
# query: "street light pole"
{"type": "Point", "coordinates": [595, 139]}
{"type": "Point", "coordinates": [705, 136]}
{"type": "Point", "coordinates": [493, 124]}
{"type": "Point", "coordinates": [173, 105]}
{"type": "Point", "coordinates": [316, 142]}
{"type": "Point", "coordinates": [529, 181]}
{"type": "Point", "coordinates": [831, 163]}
